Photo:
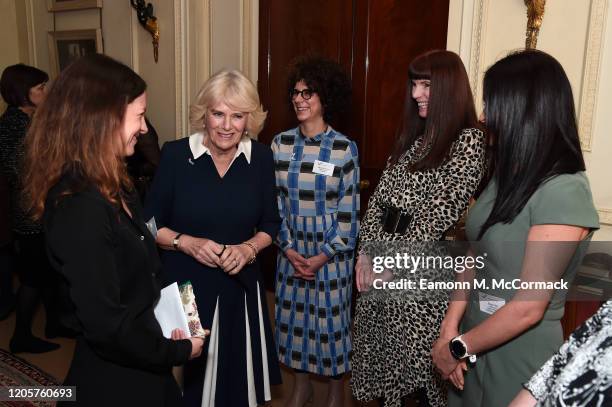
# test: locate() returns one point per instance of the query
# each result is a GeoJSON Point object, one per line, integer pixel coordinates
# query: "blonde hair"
{"type": "Point", "coordinates": [237, 92]}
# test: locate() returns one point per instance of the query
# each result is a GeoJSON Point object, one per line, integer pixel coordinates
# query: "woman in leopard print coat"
{"type": "Point", "coordinates": [434, 169]}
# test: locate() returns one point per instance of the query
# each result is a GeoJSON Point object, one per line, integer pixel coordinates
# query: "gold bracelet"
{"type": "Point", "coordinates": [253, 247]}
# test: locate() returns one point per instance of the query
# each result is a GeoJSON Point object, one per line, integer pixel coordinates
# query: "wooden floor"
{"type": "Point", "coordinates": [57, 362]}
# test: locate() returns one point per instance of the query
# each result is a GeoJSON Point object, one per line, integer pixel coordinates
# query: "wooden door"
{"type": "Point", "coordinates": [290, 28]}
{"type": "Point", "coordinates": [374, 40]}
{"type": "Point", "coordinates": [388, 34]}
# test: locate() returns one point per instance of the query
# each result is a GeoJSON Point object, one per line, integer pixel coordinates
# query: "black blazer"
{"type": "Point", "coordinates": [111, 266]}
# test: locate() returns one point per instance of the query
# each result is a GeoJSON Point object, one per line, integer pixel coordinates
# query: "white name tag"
{"type": "Point", "coordinates": [323, 168]}
{"type": "Point", "coordinates": [489, 304]}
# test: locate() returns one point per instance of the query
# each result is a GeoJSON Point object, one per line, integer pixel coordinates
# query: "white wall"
{"type": "Point", "coordinates": [579, 35]}
{"type": "Point", "coordinates": [226, 41]}
{"type": "Point", "coordinates": [234, 28]}
{"type": "Point", "coordinates": [9, 46]}
{"type": "Point", "coordinates": [160, 76]}
{"type": "Point", "coordinates": [198, 37]}
{"type": "Point", "coordinates": [214, 34]}
{"type": "Point", "coordinates": [123, 38]}
{"type": "Point", "coordinates": [9, 38]}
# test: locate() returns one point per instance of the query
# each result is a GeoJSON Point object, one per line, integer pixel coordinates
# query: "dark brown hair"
{"type": "Point", "coordinates": [451, 107]}
{"type": "Point", "coordinates": [78, 126]}
{"type": "Point", "coordinates": [16, 82]}
{"type": "Point", "coordinates": [327, 78]}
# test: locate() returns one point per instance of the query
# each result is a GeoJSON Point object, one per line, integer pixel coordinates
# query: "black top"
{"type": "Point", "coordinates": [145, 159]}
{"type": "Point", "coordinates": [14, 125]}
{"type": "Point", "coordinates": [110, 263]}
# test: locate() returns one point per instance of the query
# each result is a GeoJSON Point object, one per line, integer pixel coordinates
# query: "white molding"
{"type": "Point", "coordinates": [465, 30]}
{"type": "Point", "coordinates": [205, 44]}
{"type": "Point", "coordinates": [248, 38]}
{"type": "Point", "coordinates": [192, 56]}
{"type": "Point", "coordinates": [244, 32]}
{"type": "Point", "coordinates": [479, 29]}
{"type": "Point", "coordinates": [605, 216]}
{"type": "Point", "coordinates": [200, 50]}
{"type": "Point", "coordinates": [591, 70]}
{"type": "Point", "coordinates": [180, 67]}
{"type": "Point", "coordinates": [134, 25]}
{"type": "Point", "coordinates": [211, 38]}
{"type": "Point", "coordinates": [32, 55]}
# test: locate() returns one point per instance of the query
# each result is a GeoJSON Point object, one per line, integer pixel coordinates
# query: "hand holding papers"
{"type": "Point", "coordinates": [176, 310]}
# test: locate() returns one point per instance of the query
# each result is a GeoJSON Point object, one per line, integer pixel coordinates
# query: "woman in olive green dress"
{"type": "Point", "coordinates": [528, 222]}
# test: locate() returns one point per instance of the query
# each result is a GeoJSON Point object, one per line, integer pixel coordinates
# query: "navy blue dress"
{"type": "Point", "coordinates": [188, 196]}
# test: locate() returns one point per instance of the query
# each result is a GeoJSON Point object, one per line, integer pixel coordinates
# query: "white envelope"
{"type": "Point", "coordinates": [169, 311]}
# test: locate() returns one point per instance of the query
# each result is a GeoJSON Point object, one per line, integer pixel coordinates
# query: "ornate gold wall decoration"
{"type": "Point", "coordinates": [149, 22]}
{"type": "Point", "coordinates": [535, 14]}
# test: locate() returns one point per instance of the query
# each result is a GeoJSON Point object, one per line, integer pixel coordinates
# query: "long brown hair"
{"type": "Point", "coordinates": [451, 107]}
{"type": "Point", "coordinates": [78, 127]}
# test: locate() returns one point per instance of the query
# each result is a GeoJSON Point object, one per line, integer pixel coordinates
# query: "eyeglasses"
{"type": "Point", "coordinates": [306, 93]}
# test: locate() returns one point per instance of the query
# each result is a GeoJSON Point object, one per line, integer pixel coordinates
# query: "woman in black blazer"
{"type": "Point", "coordinates": [96, 238]}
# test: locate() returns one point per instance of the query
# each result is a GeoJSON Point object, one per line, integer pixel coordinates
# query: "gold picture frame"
{"type": "Point", "coordinates": [67, 46]}
{"type": "Point", "coordinates": [64, 5]}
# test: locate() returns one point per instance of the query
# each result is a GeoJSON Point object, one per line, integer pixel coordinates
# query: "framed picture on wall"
{"type": "Point", "coordinates": [62, 5]}
{"type": "Point", "coordinates": [68, 46]}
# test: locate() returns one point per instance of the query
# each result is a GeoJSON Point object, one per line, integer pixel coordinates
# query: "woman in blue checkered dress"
{"type": "Point", "coordinates": [317, 176]}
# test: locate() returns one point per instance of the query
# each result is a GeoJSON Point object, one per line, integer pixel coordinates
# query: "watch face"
{"type": "Point", "coordinates": [458, 349]}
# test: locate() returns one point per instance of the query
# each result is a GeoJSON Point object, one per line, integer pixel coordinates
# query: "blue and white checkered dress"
{"type": "Point", "coordinates": [320, 213]}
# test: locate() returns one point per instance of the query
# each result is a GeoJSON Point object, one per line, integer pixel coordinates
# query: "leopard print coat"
{"type": "Point", "coordinates": [393, 334]}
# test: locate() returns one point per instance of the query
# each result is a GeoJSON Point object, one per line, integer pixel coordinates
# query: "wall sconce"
{"type": "Point", "coordinates": [535, 14]}
{"type": "Point", "coordinates": [149, 22]}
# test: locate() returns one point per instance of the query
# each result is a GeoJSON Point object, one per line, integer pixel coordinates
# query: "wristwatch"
{"type": "Point", "coordinates": [175, 241]}
{"type": "Point", "coordinates": [458, 348]}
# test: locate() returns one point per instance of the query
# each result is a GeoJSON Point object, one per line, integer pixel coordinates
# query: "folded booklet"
{"type": "Point", "coordinates": [191, 310]}
{"type": "Point", "coordinates": [177, 308]}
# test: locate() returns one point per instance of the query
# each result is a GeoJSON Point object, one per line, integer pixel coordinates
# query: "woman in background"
{"type": "Point", "coordinates": [213, 201]}
{"type": "Point", "coordinates": [434, 169]}
{"type": "Point", "coordinates": [23, 88]}
{"type": "Point", "coordinates": [142, 165]}
{"type": "Point", "coordinates": [7, 263]}
{"type": "Point", "coordinates": [96, 237]}
{"type": "Point", "coordinates": [317, 176]}
{"type": "Point", "coordinates": [529, 221]}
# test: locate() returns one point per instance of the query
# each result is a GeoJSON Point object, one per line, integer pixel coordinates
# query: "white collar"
{"type": "Point", "coordinates": [196, 144]}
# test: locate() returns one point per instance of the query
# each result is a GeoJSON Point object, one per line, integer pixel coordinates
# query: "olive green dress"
{"type": "Point", "coordinates": [498, 374]}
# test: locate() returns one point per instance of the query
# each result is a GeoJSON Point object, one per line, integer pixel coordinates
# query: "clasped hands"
{"type": "Point", "coordinates": [365, 275]}
{"type": "Point", "coordinates": [230, 258]}
{"type": "Point", "coordinates": [449, 368]}
{"type": "Point", "coordinates": [305, 268]}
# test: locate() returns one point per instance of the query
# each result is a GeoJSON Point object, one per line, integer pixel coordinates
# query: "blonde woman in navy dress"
{"type": "Point", "coordinates": [317, 175]}
{"type": "Point", "coordinates": [214, 203]}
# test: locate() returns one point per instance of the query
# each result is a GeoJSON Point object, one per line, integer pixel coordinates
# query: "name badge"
{"type": "Point", "coordinates": [152, 226]}
{"type": "Point", "coordinates": [489, 304]}
{"type": "Point", "coordinates": [323, 168]}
